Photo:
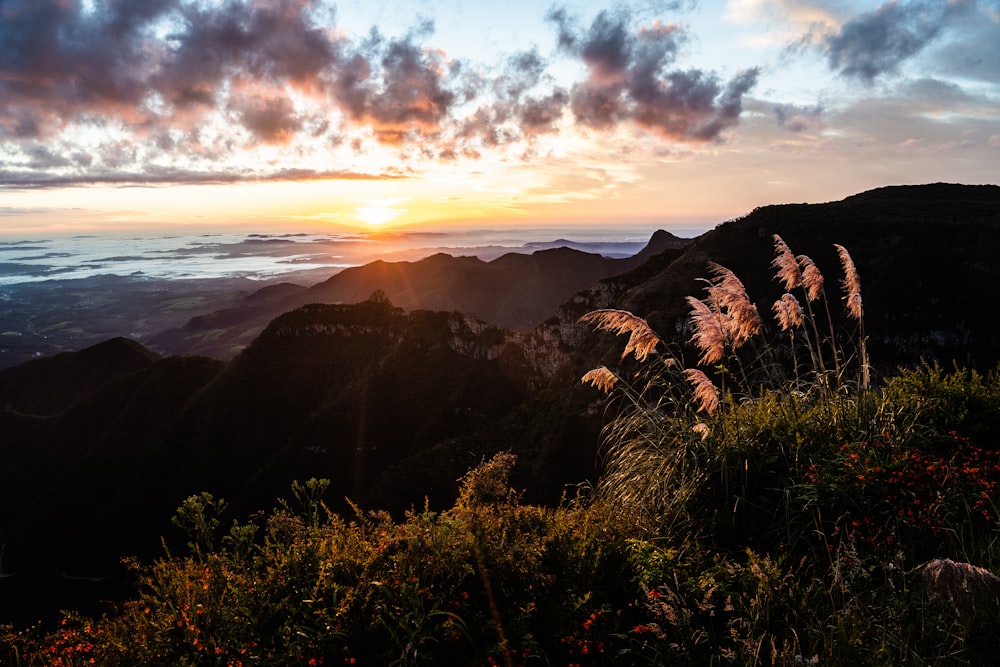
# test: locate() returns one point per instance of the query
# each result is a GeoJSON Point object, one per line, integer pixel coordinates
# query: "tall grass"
{"type": "Point", "coordinates": [765, 506]}
{"type": "Point", "coordinates": [776, 459]}
{"type": "Point", "coordinates": [690, 432]}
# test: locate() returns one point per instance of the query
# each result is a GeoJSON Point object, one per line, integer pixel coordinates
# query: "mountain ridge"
{"type": "Point", "coordinates": [516, 291]}
{"type": "Point", "coordinates": [395, 405]}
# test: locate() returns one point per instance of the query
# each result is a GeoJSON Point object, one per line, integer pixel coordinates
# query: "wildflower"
{"type": "Point", "coordinates": [705, 393]}
{"type": "Point", "coordinates": [788, 268]}
{"type": "Point", "coordinates": [788, 312]}
{"type": "Point", "coordinates": [642, 339]}
{"type": "Point", "coordinates": [851, 283]}
{"type": "Point", "coordinates": [602, 378]}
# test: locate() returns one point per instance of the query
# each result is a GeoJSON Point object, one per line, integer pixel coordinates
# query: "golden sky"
{"type": "Point", "coordinates": [283, 115]}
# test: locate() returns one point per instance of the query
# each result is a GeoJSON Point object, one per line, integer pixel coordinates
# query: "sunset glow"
{"type": "Point", "coordinates": [378, 213]}
{"type": "Point", "coordinates": [315, 114]}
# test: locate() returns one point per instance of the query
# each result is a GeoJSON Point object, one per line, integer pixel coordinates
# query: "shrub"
{"type": "Point", "coordinates": [787, 500]}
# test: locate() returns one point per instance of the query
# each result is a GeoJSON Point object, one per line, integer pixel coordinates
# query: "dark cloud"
{"type": "Point", "coordinates": [798, 119]}
{"type": "Point", "coordinates": [524, 103]}
{"type": "Point", "coordinates": [58, 62]}
{"type": "Point", "coordinates": [41, 157]}
{"type": "Point", "coordinates": [934, 90]}
{"type": "Point", "coordinates": [153, 175]}
{"type": "Point", "coordinates": [631, 78]}
{"type": "Point", "coordinates": [409, 96]}
{"type": "Point", "coordinates": [272, 120]}
{"type": "Point", "coordinates": [272, 44]}
{"type": "Point", "coordinates": [878, 42]}
{"type": "Point", "coordinates": [159, 74]}
{"type": "Point", "coordinates": [539, 115]}
{"type": "Point", "coordinates": [977, 54]}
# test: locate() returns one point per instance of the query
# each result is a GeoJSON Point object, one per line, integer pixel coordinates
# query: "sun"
{"type": "Point", "coordinates": [378, 212]}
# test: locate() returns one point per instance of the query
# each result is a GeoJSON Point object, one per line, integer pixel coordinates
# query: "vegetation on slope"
{"type": "Point", "coordinates": [764, 505]}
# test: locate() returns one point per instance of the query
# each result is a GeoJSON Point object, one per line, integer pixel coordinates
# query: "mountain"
{"type": "Point", "coordinates": [49, 385]}
{"type": "Point", "coordinates": [927, 257]}
{"type": "Point", "coordinates": [516, 291]}
{"type": "Point", "coordinates": [393, 405]}
{"type": "Point", "coordinates": [46, 317]}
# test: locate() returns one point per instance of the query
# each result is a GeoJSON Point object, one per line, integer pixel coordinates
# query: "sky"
{"type": "Point", "coordinates": [311, 115]}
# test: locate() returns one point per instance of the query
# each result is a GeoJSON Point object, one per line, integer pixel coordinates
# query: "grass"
{"type": "Point", "coordinates": [770, 506]}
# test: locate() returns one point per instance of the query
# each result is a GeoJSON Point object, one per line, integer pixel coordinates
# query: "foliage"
{"type": "Point", "coordinates": [801, 501]}
{"type": "Point", "coordinates": [491, 581]}
{"type": "Point", "coordinates": [773, 507]}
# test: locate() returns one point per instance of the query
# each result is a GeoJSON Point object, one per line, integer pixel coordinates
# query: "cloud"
{"type": "Point", "coordinates": [61, 63]}
{"type": "Point", "coordinates": [410, 96]}
{"type": "Point", "coordinates": [95, 92]}
{"type": "Point", "coordinates": [876, 43]}
{"type": "Point", "coordinates": [799, 119]}
{"type": "Point", "coordinates": [271, 119]}
{"type": "Point", "coordinates": [630, 78]}
{"type": "Point", "coordinates": [153, 176]}
{"type": "Point", "coordinates": [974, 52]}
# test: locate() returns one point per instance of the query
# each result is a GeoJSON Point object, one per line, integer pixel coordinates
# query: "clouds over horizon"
{"type": "Point", "coordinates": [630, 78]}
{"type": "Point", "coordinates": [110, 90]}
{"type": "Point", "coordinates": [191, 91]}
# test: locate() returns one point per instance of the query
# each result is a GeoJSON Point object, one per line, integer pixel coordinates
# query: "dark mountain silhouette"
{"type": "Point", "coordinates": [49, 385]}
{"type": "Point", "coordinates": [394, 406]}
{"type": "Point", "coordinates": [515, 291]}
{"type": "Point", "coordinates": [927, 256]}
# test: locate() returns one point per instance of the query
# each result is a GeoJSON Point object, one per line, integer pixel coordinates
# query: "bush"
{"type": "Point", "coordinates": [791, 501]}
{"type": "Point", "coordinates": [771, 507]}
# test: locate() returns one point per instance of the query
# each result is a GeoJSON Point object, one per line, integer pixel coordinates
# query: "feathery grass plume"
{"type": "Point", "coordinates": [812, 283]}
{"type": "Point", "coordinates": [709, 332]}
{"type": "Point", "coordinates": [602, 378]}
{"type": "Point", "coordinates": [728, 292]}
{"type": "Point", "coordinates": [851, 283]}
{"type": "Point", "coordinates": [701, 428]}
{"type": "Point", "coordinates": [705, 393]}
{"type": "Point", "coordinates": [812, 279]}
{"type": "Point", "coordinates": [642, 339]}
{"type": "Point", "coordinates": [786, 264]}
{"type": "Point", "coordinates": [788, 312]}
{"type": "Point", "coordinates": [852, 295]}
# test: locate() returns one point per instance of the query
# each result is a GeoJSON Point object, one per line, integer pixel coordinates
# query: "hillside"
{"type": "Point", "coordinates": [394, 406]}
{"type": "Point", "coordinates": [515, 291]}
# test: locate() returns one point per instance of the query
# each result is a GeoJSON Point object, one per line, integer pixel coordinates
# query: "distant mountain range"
{"type": "Point", "coordinates": [516, 291]}
{"type": "Point", "coordinates": [395, 396]}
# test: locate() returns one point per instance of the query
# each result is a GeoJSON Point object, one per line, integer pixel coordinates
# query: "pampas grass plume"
{"type": "Point", "coordinates": [709, 334]}
{"type": "Point", "coordinates": [602, 378]}
{"type": "Point", "coordinates": [642, 339]}
{"type": "Point", "coordinates": [706, 396]}
{"type": "Point", "coordinates": [788, 312]}
{"type": "Point", "coordinates": [786, 264]}
{"type": "Point", "coordinates": [728, 292]}
{"type": "Point", "coordinates": [852, 282]}
{"type": "Point", "coordinates": [812, 279]}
